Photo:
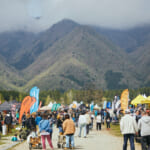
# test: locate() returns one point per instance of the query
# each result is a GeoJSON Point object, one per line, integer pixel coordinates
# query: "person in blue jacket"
{"type": "Point", "coordinates": [38, 119]}
{"type": "Point", "coordinates": [44, 127]}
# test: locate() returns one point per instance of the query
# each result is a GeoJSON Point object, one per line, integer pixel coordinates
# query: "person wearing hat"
{"type": "Point", "coordinates": [128, 127]}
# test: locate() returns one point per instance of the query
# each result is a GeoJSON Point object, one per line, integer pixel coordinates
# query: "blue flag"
{"type": "Point", "coordinates": [92, 107]}
{"type": "Point", "coordinates": [109, 105]}
{"type": "Point", "coordinates": [104, 105]}
{"type": "Point", "coordinates": [34, 92]}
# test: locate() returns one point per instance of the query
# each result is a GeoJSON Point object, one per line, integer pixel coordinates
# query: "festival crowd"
{"type": "Point", "coordinates": [134, 124]}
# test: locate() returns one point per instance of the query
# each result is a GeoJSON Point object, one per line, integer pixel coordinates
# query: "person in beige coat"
{"type": "Point", "coordinates": [69, 130]}
{"type": "Point", "coordinates": [88, 121]}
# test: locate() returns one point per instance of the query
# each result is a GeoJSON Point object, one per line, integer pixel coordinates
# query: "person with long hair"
{"type": "Point", "coordinates": [44, 127]}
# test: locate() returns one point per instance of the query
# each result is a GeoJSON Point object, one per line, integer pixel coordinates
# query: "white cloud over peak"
{"type": "Point", "coordinates": [25, 14]}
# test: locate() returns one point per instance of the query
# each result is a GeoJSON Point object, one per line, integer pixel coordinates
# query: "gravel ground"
{"type": "Point", "coordinates": [94, 141]}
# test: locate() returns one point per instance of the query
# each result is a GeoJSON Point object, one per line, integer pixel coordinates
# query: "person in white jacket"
{"type": "Point", "coordinates": [82, 124]}
{"type": "Point", "coordinates": [144, 126]}
{"type": "Point", "coordinates": [128, 127]}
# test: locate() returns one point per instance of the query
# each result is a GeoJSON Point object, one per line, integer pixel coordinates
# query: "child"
{"type": "Point", "coordinates": [14, 138]}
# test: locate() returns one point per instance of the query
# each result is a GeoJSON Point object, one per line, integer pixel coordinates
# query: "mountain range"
{"type": "Point", "coordinates": [73, 56]}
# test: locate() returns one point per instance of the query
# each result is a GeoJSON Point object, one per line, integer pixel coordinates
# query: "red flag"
{"type": "Point", "coordinates": [40, 106]}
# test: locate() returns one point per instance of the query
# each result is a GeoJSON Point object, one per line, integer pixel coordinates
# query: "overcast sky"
{"type": "Point", "coordinates": [122, 14]}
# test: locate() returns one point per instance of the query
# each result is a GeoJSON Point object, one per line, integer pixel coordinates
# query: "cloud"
{"type": "Point", "coordinates": [21, 14]}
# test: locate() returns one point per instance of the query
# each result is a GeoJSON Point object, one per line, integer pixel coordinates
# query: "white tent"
{"type": "Point", "coordinates": [96, 107]}
{"type": "Point", "coordinates": [45, 108]}
{"type": "Point", "coordinates": [50, 104]}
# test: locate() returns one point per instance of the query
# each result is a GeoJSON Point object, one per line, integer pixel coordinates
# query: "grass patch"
{"type": "Point", "coordinates": [115, 130]}
{"type": "Point", "coordinates": [12, 133]}
{"type": "Point", "coordinates": [1, 142]}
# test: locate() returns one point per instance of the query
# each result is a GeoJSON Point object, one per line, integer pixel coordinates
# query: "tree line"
{"type": "Point", "coordinates": [85, 95]}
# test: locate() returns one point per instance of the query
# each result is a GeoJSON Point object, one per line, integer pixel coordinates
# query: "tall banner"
{"type": "Point", "coordinates": [40, 106]}
{"type": "Point", "coordinates": [92, 107]}
{"type": "Point", "coordinates": [104, 105]}
{"type": "Point", "coordinates": [25, 106]}
{"type": "Point", "coordinates": [34, 92]}
{"type": "Point", "coordinates": [109, 105]}
{"type": "Point", "coordinates": [124, 100]}
{"type": "Point", "coordinates": [30, 105]}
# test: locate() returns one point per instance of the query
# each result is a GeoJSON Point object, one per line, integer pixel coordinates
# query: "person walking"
{"type": "Point", "coordinates": [44, 127]}
{"type": "Point", "coordinates": [77, 117]}
{"type": "Point", "coordinates": [88, 122]}
{"type": "Point", "coordinates": [98, 121]}
{"type": "Point", "coordinates": [31, 122]}
{"type": "Point", "coordinates": [92, 119]}
{"type": "Point", "coordinates": [38, 119]}
{"type": "Point", "coordinates": [24, 120]}
{"type": "Point", "coordinates": [144, 126]}
{"type": "Point", "coordinates": [82, 124]}
{"type": "Point", "coordinates": [1, 119]}
{"type": "Point", "coordinates": [60, 120]}
{"type": "Point", "coordinates": [108, 119]}
{"type": "Point", "coordinates": [8, 121]}
{"type": "Point", "coordinates": [128, 127]}
{"type": "Point", "coordinates": [69, 130]}
{"type": "Point", "coordinates": [51, 121]}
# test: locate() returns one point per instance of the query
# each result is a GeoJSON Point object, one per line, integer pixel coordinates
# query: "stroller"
{"type": "Point", "coordinates": [61, 141]}
{"type": "Point", "coordinates": [35, 143]}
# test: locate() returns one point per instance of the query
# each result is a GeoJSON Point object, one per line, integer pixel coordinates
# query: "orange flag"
{"type": "Point", "coordinates": [29, 106]}
{"type": "Point", "coordinates": [124, 100]}
{"type": "Point", "coordinates": [25, 106]}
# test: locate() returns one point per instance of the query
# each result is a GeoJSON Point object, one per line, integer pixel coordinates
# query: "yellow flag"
{"type": "Point", "coordinates": [124, 100]}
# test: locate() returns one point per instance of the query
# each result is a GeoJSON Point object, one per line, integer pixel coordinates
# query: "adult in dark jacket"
{"type": "Point", "coordinates": [1, 119]}
{"type": "Point", "coordinates": [24, 120]}
{"type": "Point", "coordinates": [8, 121]}
{"type": "Point", "coordinates": [31, 122]}
{"type": "Point", "coordinates": [59, 124]}
{"type": "Point", "coordinates": [108, 119]}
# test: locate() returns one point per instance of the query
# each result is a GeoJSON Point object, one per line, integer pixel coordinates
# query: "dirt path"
{"type": "Point", "coordinates": [96, 140]}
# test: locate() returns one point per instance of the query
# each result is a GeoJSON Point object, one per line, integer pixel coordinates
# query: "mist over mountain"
{"type": "Point", "coordinates": [70, 55]}
{"type": "Point", "coordinates": [39, 15]}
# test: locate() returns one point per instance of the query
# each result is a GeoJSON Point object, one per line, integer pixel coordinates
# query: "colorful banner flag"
{"type": "Point", "coordinates": [124, 100]}
{"type": "Point", "coordinates": [92, 107]}
{"type": "Point", "coordinates": [109, 105]}
{"type": "Point", "coordinates": [34, 92]}
{"type": "Point", "coordinates": [25, 106]}
{"type": "Point", "coordinates": [104, 105]}
{"type": "Point", "coordinates": [40, 106]}
{"type": "Point", "coordinates": [30, 105]}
